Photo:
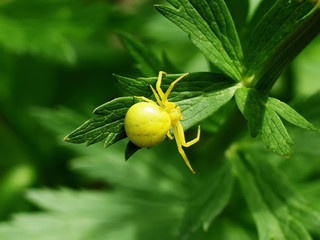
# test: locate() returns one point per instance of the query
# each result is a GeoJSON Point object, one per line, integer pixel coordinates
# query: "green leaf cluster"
{"type": "Point", "coordinates": [211, 28]}
{"type": "Point", "coordinates": [155, 198]}
{"type": "Point", "coordinates": [279, 22]}
{"type": "Point", "coordinates": [263, 113]}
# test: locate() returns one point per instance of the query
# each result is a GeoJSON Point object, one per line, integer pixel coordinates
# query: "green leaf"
{"type": "Point", "coordinates": [109, 126]}
{"type": "Point", "coordinates": [274, 134]}
{"type": "Point", "coordinates": [272, 201]}
{"type": "Point", "coordinates": [209, 202]}
{"type": "Point", "coordinates": [303, 164]}
{"type": "Point", "coordinates": [310, 214]}
{"type": "Point", "coordinates": [21, 37]}
{"type": "Point", "coordinates": [50, 33]}
{"type": "Point", "coordinates": [289, 114]}
{"type": "Point", "coordinates": [70, 219]}
{"type": "Point", "coordinates": [211, 28]}
{"type": "Point", "coordinates": [262, 115]}
{"type": "Point", "coordinates": [157, 172]}
{"type": "Point", "coordinates": [92, 215]}
{"type": "Point", "coordinates": [277, 190]}
{"type": "Point", "coordinates": [198, 94]}
{"type": "Point", "coordinates": [229, 229]}
{"type": "Point", "coordinates": [252, 105]}
{"type": "Point", "coordinates": [58, 121]}
{"type": "Point", "coordinates": [258, 11]}
{"type": "Point", "coordinates": [239, 12]}
{"type": "Point", "coordinates": [264, 121]}
{"type": "Point", "coordinates": [267, 225]}
{"type": "Point", "coordinates": [273, 29]}
{"type": "Point", "coordinates": [148, 64]}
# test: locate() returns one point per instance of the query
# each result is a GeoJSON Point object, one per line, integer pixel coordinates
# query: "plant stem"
{"type": "Point", "coordinates": [279, 61]}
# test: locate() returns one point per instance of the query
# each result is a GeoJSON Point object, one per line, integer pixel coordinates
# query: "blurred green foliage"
{"type": "Point", "coordinates": [57, 58]}
{"type": "Point", "coordinates": [55, 53]}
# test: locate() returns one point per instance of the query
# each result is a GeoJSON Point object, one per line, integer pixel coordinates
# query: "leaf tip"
{"type": "Point", "coordinates": [253, 133]}
{"type": "Point", "coordinates": [97, 111]}
{"type": "Point", "coordinates": [114, 76]}
{"type": "Point", "coordinates": [67, 139]}
{"type": "Point", "coordinates": [316, 129]}
{"type": "Point", "coordinates": [286, 156]}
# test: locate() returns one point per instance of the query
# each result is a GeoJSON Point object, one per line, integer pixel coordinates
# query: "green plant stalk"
{"type": "Point", "coordinates": [279, 61]}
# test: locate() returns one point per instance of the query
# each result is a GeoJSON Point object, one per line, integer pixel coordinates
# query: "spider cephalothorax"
{"type": "Point", "coordinates": [148, 123]}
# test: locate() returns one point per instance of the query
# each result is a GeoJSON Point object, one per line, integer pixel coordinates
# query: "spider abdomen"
{"type": "Point", "coordinates": [146, 124]}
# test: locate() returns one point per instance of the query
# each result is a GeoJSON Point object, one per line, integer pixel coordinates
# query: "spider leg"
{"type": "Point", "coordinates": [156, 96]}
{"type": "Point", "coordinates": [158, 85]}
{"type": "Point", "coordinates": [169, 135]}
{"type": "Point", "coordinates": [182, 137]}
{"type": "Point", "coordinates": [146, 99]}
{"type": "Point", "coordinates": [179, 145]}
{"type": "Point", "coordinates": [165, 97]}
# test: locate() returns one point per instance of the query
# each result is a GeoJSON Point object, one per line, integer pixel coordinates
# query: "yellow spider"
{"type": "Point", "coordinates": [147, 124]}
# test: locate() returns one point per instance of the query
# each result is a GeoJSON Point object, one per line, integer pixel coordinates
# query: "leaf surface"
{"type": "Point", "coordinates": [262, 115]}
{"type": "Point", "coordinates": [199, 95]}
{"type": "Point", "coordinates": [148, 64]}
{"type": "Point", "coordinates": [271, 200]}
{"type": "Point", "coordinates": [49, 33]}
{"type": "Point", "coordinates": [274, 28]}
{"type": "Point", "coordinates": [91, 215]}
{"type": "Point", "coordinates": [211, 28]}
{"type": "Point", "coordinates": [209, 202]}
{"type": "Point", "coordinates": [289, 114]}
{"type": "Point", "coordinates": [109, 125]}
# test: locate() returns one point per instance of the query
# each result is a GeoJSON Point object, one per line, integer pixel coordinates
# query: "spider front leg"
{"type": "Point", "coordinates": [159, 95]}
{"type": "Point", "coordinates": [158, 85]}
{"type": "Point", "coordinates": [180, 140]}
{"type": "Point", "coordinates": [145, 99]}
{"type": "Point", "coordinates": [166, 95]}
